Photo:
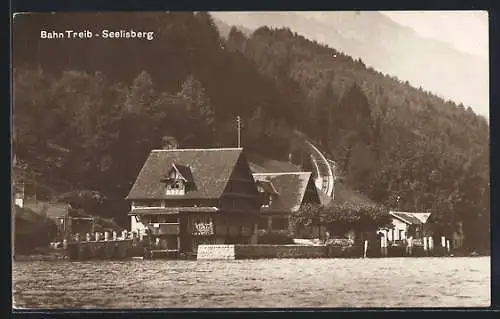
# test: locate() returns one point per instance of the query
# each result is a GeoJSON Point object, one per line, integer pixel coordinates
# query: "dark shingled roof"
{"type": "Point", "coordinates": [261, 164]}
{"type": "Point", "coordinates": [210, 169]}
{"type": "Point", "coordinates": [290, 186]}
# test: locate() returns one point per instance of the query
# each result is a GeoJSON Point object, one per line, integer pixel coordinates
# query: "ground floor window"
{"type": "Point", "coordinates": [280, 223]}
{"type": "Point", "coordinates": [263, 223]}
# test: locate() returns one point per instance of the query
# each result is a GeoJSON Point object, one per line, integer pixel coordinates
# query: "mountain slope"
{"type": "Point", "coordinates": [387, 46]}
{"type": "Point", "coordinates": [389, 138]}
{"type": "Point", "coordinates": [108, 110]}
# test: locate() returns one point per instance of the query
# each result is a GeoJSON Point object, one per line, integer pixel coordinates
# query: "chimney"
{"type": "Point", "coordinates": [169, 143]}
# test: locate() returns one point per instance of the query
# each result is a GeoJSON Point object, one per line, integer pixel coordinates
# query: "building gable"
{"type": "Point", "coordinates": [311, 193]}
{"type": "Point", "coordinates": [208, 169]}
{"type": "Point", "coordinates": [290, 186]}
{"type": "Point", "coordinates": [241, 190]}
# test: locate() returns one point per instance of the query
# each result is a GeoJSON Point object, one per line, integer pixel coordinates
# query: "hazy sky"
{"type": "Point", "coordinates": [466, 30]}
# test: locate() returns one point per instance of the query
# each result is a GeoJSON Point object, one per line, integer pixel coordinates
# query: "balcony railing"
{"type": "Point", "coordinates": [158, 229]}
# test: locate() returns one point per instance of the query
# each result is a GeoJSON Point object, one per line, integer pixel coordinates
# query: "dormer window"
{"type": "Point", "coordinates": [267, 192]}
{"type": "Point", "coordinates": [270, 200]}
{"type": "Point", "coordinates": [175, 187]}
{"type": "Point", "coordinates": [178, 180]}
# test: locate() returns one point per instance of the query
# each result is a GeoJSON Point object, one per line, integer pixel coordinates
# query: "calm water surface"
{"type": "Point", "coordinates": [387, 282]}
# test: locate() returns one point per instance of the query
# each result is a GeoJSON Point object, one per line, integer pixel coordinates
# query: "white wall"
{"type": "Point", "coordinates": [135, 225]}
{"type": "Point", "coordinates": [398, 226]}
{"type": "Point", "coordinates": [19, 202]}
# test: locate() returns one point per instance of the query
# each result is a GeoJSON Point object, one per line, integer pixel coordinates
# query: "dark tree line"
{"type": "Point", "coordinates": [87, 112]}
{"type": "Point", "coordinates": [389, 140]}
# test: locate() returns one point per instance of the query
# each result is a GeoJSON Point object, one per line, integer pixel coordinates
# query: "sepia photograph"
{"type": "Point", "coordinates": [271, 160]}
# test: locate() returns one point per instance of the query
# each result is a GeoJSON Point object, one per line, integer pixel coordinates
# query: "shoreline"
{"type": "Point", "coordinates": [62, 257]}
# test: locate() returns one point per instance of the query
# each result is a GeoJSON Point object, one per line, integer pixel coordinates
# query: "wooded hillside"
{"type": "Point", "coordinates": [87, 112]}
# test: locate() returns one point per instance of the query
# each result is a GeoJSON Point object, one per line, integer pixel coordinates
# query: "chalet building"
{"type": "Point", "coordinates": [406, 225]}
{"type": "Point", "coordinates": [187, 197]}
{"type": "Point", "coordinates": [283, 194]}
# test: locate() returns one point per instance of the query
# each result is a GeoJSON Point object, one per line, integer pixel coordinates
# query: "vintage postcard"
{"type": "Point", "coordinates": [250, 160]}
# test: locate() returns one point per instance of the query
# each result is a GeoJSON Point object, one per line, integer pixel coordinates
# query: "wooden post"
{"type": "Point", "coordinates": [255, 238]}
{"type": "Point", "coordinates": [386, 242]}
{"type": "Point", "coordinates": [238, 122]}
{"type": "Point", "coordinates": [425, 244]}
{"type": "Point", "coordinates": [179, 236]}
{"type": "Point", "coordinates": [410, 245]}
{"type": "Point", "coordinates": [431, 243]}
{"type": "Point", "coordinates": [443, 241]}
{"type": "Point", "coordinates": [448, 245]}
{"type": "Point", "coordinates": [65, 226]}
{"type": "Point", "coordinates": [365, 249]}
{"type": "Point", "coordinates": [381, 245]}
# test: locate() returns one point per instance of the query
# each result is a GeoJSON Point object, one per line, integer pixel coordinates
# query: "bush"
{"type": "Point", "coordinates": [32, 230]}
{"type": "Point", "coordinates": [275, 238]}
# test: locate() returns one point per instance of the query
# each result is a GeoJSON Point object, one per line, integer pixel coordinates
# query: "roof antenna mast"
{"type": "Point", "coordinates": [238, 123]}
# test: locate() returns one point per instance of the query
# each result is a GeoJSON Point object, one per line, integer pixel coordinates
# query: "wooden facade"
{"type": "Point", "coordinates": [187, 197]}
{"type": "Point", "coordinates": [283, 194]}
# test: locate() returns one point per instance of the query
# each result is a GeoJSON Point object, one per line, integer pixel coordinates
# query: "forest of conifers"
{"type": "Point", "coordinates": [87, 112]}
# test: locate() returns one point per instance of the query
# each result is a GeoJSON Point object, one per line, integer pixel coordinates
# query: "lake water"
{"type": "Point", "coordinates": [384, 282]}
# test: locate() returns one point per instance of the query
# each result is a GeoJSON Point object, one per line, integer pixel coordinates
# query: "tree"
{"type": "Point", "coordinates": [306, 217]}
{"type": "Point", "coordinates": [340, 217]}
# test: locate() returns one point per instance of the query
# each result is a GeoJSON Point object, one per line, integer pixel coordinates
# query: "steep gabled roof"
{"type": "Point", "coordinates": [210, 171]}
{"type": "Point", "coordinates": [423, 217]}
{"type": "Point", "coordinates": [411, 218]}
{"type": "Point", "coordinates": [291, 187]}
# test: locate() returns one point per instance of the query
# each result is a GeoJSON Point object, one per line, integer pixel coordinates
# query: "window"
{"type": "Point", "coordinates": [175, 188]}
{"type": "Point", "coordinates": [418, 232]}
{"type": "Point", "coordinates": [266, 199]}
{"type": "Point", "coordinates": [280, 223]}
{"type": "Point", "coordinates": [176, 185]}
